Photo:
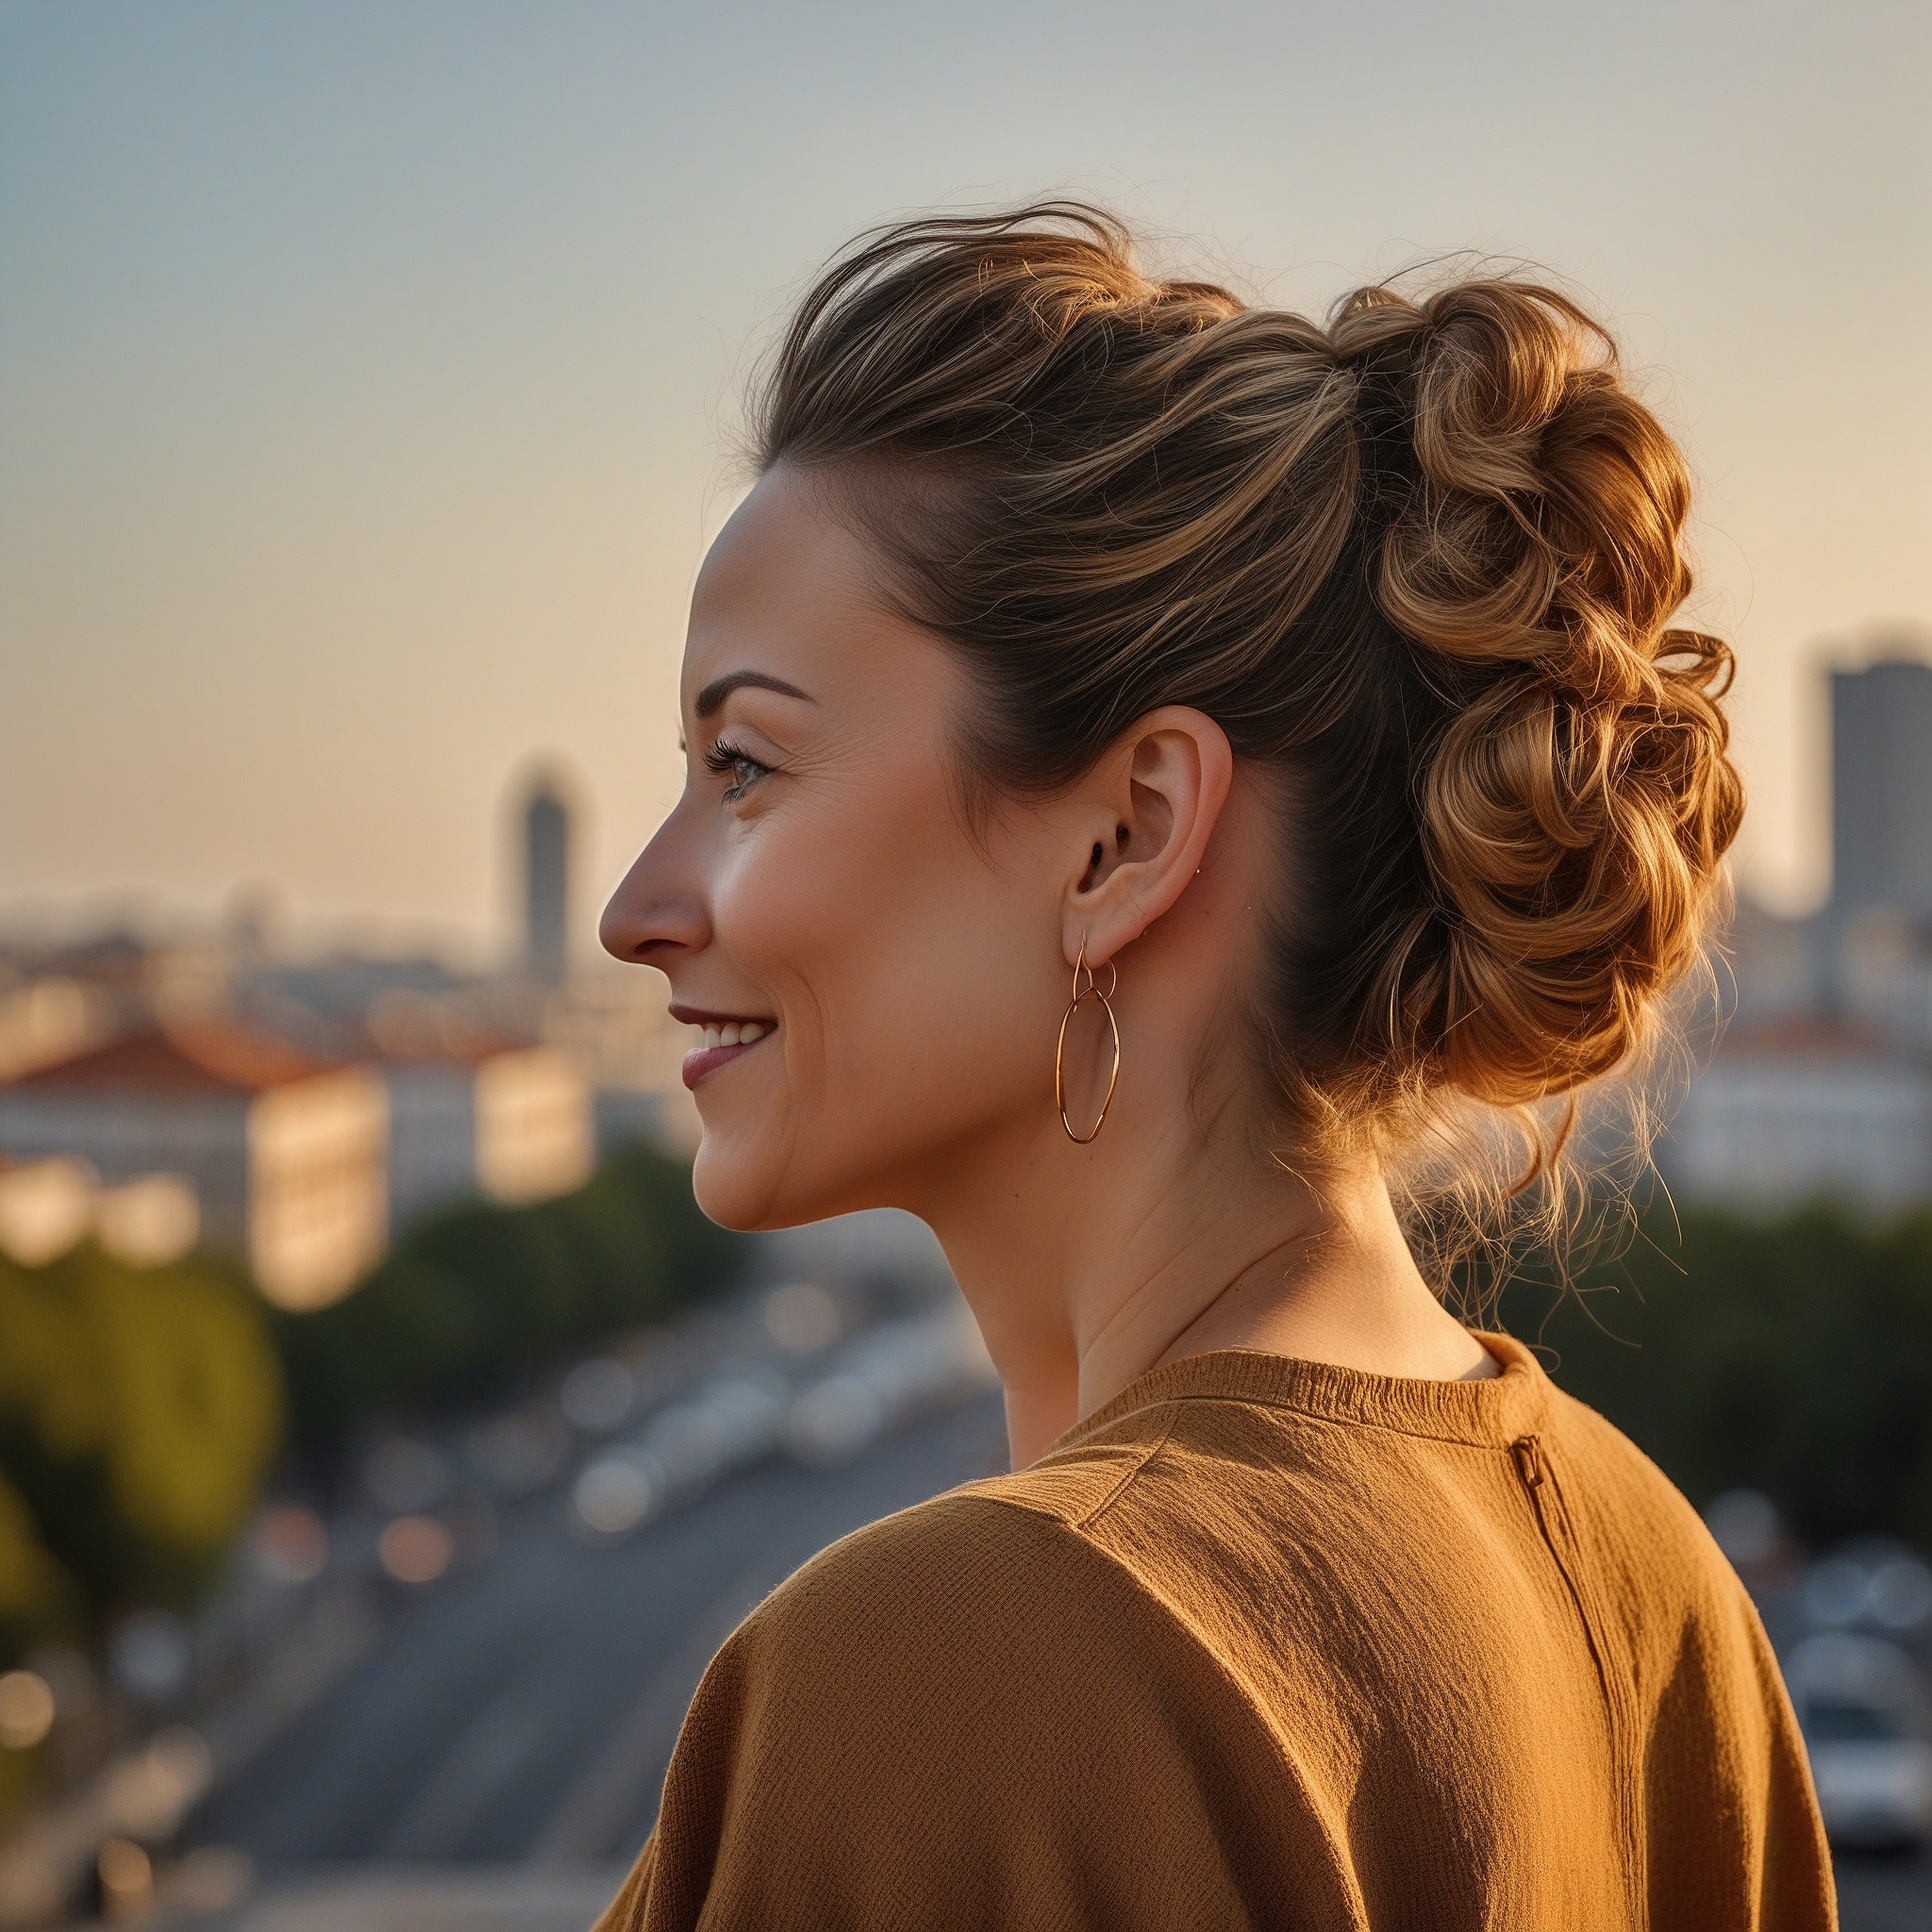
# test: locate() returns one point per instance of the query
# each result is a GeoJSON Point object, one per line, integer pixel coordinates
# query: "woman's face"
{"type": "Point", "coordinates": [816, 883]}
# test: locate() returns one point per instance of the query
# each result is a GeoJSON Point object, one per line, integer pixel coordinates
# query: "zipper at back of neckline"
{"type": "Point", "coordinates": [1533, 1472]}
{"type": "Point", "coordinates": [1538, 1479]}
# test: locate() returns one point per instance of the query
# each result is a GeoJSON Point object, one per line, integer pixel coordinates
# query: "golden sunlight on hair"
{"type": "Point", "coordinates": [1423, 561]}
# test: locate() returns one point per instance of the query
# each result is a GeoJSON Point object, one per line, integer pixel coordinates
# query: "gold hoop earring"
{"type": "Point", "coordinates": [1090, 992]}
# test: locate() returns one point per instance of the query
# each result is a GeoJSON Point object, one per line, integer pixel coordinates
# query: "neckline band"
{"type": "Point", "coordinates": [1490, 1413]}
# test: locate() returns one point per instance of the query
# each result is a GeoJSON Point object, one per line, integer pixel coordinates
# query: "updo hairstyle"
{"type": "Point", "coordinates": [1422, 562]}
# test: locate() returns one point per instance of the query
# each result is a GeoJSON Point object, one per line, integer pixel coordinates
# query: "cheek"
{"type": "Point", "coordinates": [794, 910]}
{"type": "Point", "coordinates": [856, 911]}
{"type": "Point", "coordinates": [901, 966]}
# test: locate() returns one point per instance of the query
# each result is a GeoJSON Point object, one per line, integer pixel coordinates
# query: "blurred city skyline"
{"type": "Point", "coordinates": [367, 375]}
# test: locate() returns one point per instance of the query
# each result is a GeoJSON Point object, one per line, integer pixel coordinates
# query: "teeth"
{"type": "Point", "coordinates": [732, 1033]}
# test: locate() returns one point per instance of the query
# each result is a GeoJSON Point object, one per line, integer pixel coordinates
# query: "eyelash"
{"type": "Point", "coordinates": [723, 758]}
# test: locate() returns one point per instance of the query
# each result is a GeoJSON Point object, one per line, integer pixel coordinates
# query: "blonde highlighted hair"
{"type": "Point", "coordinates": [1422, 561]}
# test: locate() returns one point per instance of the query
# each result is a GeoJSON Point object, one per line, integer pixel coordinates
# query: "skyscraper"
{"type": "Point", "coordinates": [547, 882]}
{"type": "Point", "coordinates": [1881, 790]}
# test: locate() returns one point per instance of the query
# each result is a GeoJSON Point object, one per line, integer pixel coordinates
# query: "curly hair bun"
{"type": "Point", "coordinates": [1421, 561]}
{"type": "Point", "coordinates": [1579, 800]}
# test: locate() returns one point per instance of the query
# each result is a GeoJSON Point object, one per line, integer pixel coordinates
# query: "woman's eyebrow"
{"type": "Point", "coordinates": [719, 689]}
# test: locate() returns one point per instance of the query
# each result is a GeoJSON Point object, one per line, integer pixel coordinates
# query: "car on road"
{"type": "Point", "coordinates": [1867, 1718]}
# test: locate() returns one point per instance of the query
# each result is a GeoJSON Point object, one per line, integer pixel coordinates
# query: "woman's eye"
{"type": "Point", "coordinates": [744, 770]}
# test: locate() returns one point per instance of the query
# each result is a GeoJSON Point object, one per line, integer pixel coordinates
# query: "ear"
{"type": "Point", "coordinates": [1144, 815]}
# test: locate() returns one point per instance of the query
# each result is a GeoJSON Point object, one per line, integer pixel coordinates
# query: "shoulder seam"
{"type": "Point", "coordinates": [1157, 1606]}
{"type": "Point", "coordinates": [1127, 1479]}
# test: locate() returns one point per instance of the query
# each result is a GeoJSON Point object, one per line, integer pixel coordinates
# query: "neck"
{"type": "Point", "coordinates": [1169, 1237]}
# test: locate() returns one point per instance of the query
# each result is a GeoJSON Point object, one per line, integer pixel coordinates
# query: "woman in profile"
{"type": "Point", "coordinates": [1161, 772]}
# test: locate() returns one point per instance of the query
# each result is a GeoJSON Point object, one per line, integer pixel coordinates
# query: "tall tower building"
{"type": "Point", "coordinates": [547, 882]}
{"type": "Point", "coordinates": [1881, 790]}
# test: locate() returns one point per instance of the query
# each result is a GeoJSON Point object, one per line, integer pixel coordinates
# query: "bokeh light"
{"type": "Point", "coordinates": [27, 1709]}
{"type": "Point", "coordinates": [416, 1549]}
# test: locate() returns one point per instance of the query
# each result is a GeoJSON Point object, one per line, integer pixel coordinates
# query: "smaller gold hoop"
{"type": "Point", "coordinates": [1090, 992]}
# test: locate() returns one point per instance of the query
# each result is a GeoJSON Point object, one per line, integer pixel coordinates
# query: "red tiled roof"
{"type": "Point", "coordinates": [198, 1057]}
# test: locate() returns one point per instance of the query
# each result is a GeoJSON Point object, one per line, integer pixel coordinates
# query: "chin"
{"type": "Point", "coordinates": [750, 1184]}
{"type": "Point", "coordinates": [742, 1185]}
{"type": "Point", "coordinates": [729, 1188]}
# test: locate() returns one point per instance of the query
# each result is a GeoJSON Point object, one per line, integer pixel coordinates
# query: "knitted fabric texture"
{"type": "Point", "coordinates": [1261, 1644]}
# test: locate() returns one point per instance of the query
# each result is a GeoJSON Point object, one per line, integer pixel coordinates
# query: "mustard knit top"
{"type": "Point", "coordinates": [1262, 1642]}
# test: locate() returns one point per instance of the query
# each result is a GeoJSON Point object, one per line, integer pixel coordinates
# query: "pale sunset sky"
{"type": "Point", "coordinates": [367, 371]}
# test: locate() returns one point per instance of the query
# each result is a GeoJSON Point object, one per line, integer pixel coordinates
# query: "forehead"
{"type": "Point", "coordinates": [787, 591]}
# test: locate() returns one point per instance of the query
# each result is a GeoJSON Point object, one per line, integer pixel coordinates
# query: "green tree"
{"type": "Point", "coordinates": [1794, 1358]}
{"type": "Point", "coordinates": [469, 1301]}
{"type": "Point", "coordinates": [38, 1598]}
{"type": "Point", "coordinates": [138, 1412]}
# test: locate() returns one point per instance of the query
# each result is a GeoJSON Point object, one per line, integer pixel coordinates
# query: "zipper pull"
{"type": "Point", "coordinates": [1528, 1451]}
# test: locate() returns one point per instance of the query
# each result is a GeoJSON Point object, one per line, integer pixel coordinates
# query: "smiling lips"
{"type": "Point", "coordinates": [722, 1039]}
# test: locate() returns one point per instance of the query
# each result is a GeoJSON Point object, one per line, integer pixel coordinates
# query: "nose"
{"type": "Point", "coordinates": [658, 913]}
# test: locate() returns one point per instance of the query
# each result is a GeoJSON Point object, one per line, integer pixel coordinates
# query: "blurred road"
{"type": "Point", "coordinates": [495, 1762]}
{"type": "Point", "coordinates": [1885, 1894]}
{"type": "Point", "coordinates": [525, 1710]}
